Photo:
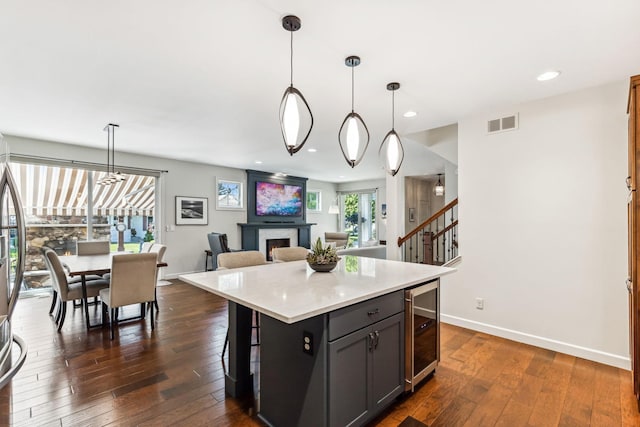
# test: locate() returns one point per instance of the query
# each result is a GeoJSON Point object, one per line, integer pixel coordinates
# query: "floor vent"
{"type": "Point", "coordinates": [503, 124]}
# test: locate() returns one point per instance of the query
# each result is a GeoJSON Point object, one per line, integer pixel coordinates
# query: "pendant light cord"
{"type": "Point", "coordinates": [393, 109]}
{"type": "Point", "coordinates": [352, 91]}
{"type": "Point", "coordinates": [291, 59]}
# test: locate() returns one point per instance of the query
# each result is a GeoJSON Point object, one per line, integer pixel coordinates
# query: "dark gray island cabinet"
{"type": "Point", "coordinates": [332, 347]}
{"type": "Point", "coordinates": [351, 370]}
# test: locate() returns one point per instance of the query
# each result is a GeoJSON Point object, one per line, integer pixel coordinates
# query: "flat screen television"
{"type": "Point", "coordinates": [274, 199]}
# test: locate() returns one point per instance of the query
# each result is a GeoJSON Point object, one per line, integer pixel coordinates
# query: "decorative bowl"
{"type": "Point", "coordinates": [323, 268]}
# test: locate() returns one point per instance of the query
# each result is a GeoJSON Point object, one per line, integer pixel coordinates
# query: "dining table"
{"type": "Point", "coordinates": [84, 265]}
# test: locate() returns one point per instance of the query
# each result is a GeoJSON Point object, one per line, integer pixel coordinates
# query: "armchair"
{"type": "Point", "coordinates": [218, 244]}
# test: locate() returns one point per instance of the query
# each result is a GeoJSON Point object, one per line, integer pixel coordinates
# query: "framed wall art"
{"type": "Point", "coordinates": [191, 210]}
{"type": "Point", "coordinates": [229, 195]}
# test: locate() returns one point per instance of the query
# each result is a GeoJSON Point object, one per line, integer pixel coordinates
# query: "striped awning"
{"type": "Point", "coordinates": [54, 190]}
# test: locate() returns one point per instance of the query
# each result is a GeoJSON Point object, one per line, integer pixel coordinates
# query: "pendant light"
{"type": "Point", "coordinates": [439, 188]}
{"type": "Point", "coordinates": [296, 119]}
{"type": "Point", "coordinates": [112, 177]}
{"type": "Point", "coordinates": [353, 135]}
{"type": "Point", "coordinates": [391, 152]}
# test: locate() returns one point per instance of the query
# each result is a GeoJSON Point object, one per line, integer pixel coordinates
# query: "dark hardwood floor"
{"type": "Point", "coordinates": [175, 376]}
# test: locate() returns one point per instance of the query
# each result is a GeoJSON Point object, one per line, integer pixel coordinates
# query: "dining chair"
{"type": "Point", "coordinates": [94, 247]}
{"type": "Point", "coordinates": [218, 244]}
{"type": "Point", "coordinates": [230, 260]}
{"type": "Point", "coordinates": [159, 249]}
{"type": "Point", "coordinates": [339, 238]}
{"type": "Point", "coordinates": [146, 247]}
{"type": "Point", "coordinates": [294, 253]}
{"type": "Point", "coordinates": [133, 281]}
{"type": "Point", "coordinates": [67, 290]}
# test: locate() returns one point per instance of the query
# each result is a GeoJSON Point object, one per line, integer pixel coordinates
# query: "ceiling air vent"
{"type": "Point", "coordinates": [503, 124]}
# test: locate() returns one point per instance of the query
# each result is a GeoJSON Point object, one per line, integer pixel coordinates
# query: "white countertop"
{"type": "Point", "coordinates": [292, 291]}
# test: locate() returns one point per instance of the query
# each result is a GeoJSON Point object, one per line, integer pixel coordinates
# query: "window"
{"type": "Point", "coordinates": [63, 205]}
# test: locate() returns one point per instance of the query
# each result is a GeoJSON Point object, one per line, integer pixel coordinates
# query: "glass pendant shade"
{"type": "Point", "coordinates": [391, 153]}
{"type": "Point", "coordinates": [353, 137]}
{"type": "Point", "coordinates": [296, 119]}
{"type": "Point", "coordinates": [439, 188]}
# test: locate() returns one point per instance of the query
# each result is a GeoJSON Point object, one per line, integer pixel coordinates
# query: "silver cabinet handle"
{"type": "Point", "coordinates": [628, 283]}
{"type": "Point", "coordinates": [377, 335]}
{"type": "Point", "coordinates": [628, 182]}
{"type": "Point", "coordinates": [371, 339]}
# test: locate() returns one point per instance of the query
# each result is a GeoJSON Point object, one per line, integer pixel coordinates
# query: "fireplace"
{"type": "Point", "coordinates": [276, 243]}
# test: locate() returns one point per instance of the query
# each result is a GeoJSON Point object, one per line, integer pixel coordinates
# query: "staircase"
{"type": "Point", "coordinates": [435, 240]}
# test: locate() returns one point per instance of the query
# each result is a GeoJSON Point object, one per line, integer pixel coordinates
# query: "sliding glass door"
{"type": "Point", "coordinates": [65, 204]}
{"type": "Point", "coordinates": [359, 217]}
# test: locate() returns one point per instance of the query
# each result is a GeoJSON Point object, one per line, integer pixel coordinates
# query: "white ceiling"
{"type": "Point", "coordinates": [202, 80]}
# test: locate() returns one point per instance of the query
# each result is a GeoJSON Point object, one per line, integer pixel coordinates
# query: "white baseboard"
{"type": "Point", "coordinates": [175, 275]}
{"type": "Point", "coordinates": [549, 344]}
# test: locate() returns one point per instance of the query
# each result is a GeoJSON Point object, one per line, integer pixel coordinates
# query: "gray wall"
{"type": "Point", "coordinates": [185, 243]}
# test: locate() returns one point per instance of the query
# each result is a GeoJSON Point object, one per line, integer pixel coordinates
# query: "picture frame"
{"type": "Point", "coordinates": [229, 194]}
{"type": "Point", "coordinates": [192, 210]}
{"type": "Point", "coordinates": [412, 214]}
{"type": "Point", "coordinates": [314, 201]}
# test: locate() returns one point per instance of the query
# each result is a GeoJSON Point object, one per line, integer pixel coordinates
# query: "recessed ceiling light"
{"type": "Point", "coordinates": [258, 162]}
{"type": "Point", "coordinates": [410, 114]}
{"type": "Point", "coordinates": [548, 75]}
{"type": "Point", "coordinates": [312, 150]}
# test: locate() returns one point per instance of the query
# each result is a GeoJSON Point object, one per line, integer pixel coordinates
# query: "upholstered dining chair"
{"type": "Point", "coordinates": [229, 260]}
{"type": "Point", "coordinates": [145, 247]}
{"type": "Point", "coordinates": [159, 249]}
{"type": "Point", "coordinates": [67, 290]}
{"type": "Point", "coordinates": [339, 238]}
{"type": "Point", "coordinates": [133, 281]}
{"type": "Point", "coordinates": [218, 245]}
{"type": "Point", "coordinates": [94, 247]}
{"type": "Point", "coordinates": [294, 253]}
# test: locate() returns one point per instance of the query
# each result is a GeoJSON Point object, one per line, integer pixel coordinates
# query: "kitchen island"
{"type": "Point", "coordinates": [332, 344]}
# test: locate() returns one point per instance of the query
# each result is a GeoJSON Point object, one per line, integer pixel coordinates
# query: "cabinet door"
{"type": "Point", "coordinates": [388, 354]}
{"type": "Point", "coordinates": [349, 378]}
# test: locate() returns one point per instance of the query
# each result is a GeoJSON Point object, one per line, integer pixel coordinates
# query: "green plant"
{"type": "Point", "coordinates": [321, 254]}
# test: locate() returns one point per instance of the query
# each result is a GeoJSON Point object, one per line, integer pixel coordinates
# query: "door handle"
{"type": "Point", "coordinates": [371, 338]}
{"type": "Point", "coordinates": [377, 338]}
{"type": "Point", "coordinates": [628, 283]}
{"type": "Point", "coordinates": [628, 182]}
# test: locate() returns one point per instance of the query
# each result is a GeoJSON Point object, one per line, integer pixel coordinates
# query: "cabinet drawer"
{"type": "Point", "coordinates": [349, 319]}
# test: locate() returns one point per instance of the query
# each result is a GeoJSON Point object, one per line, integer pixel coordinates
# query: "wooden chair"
{"type": "Point", "coordinates": [67, 290]}
{"type": "Point", "coordinates": [158, 249]}
{"type": "Point", "coordinates": [295, 253]}
{"type": "Point", "coordinates": [229, 260]}
{"type": "Point", "coordinates": [95, 247]}
{"type": "Point", "coordinates": [133, 281]}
